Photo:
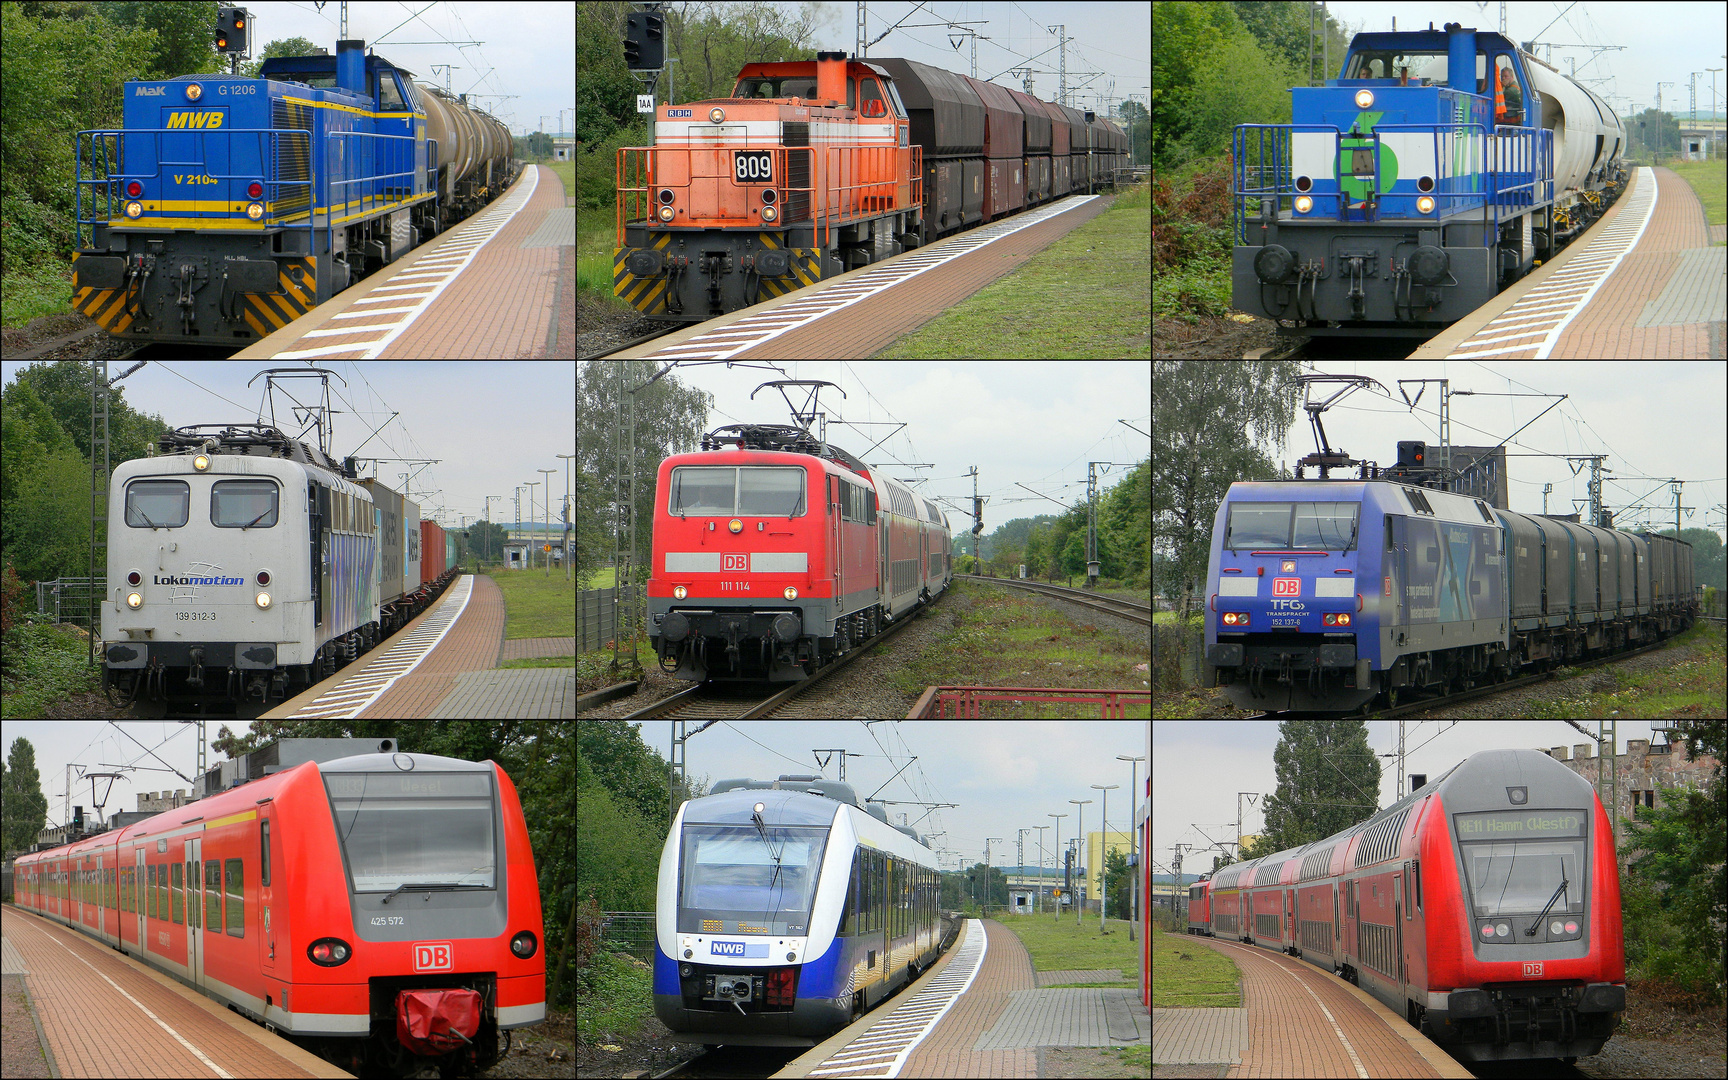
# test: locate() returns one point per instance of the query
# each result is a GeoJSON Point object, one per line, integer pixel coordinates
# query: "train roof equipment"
{"type": "Point", "coordinates": [1325, 457]}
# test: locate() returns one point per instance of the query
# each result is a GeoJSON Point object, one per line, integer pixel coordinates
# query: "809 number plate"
{"type": "Point", "coordinates": [753, 167]}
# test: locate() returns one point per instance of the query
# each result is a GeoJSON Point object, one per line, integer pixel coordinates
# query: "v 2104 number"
{"type": "Point", "coordinates": [753, 166]}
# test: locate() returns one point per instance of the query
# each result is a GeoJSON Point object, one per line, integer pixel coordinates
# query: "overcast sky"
{"type": "Point", "coordinates": [1198, 766]}
{"type": "Point", "coordinates": [1004, 777]}
{"type": "Point", "coordinates": [1032, 423]}
{"type": "Point", "coordinates": [1649, 42]}
{"type": "Point", "coordinates": [1109, 51]}
{"type": "Point", "coordinates": [490, 425]}
{"type": "Point", "coordinates": [1656, 421]}
{"type": "Point", "coordinates": [97, 744]}
{"type": "Point", "coordinates": [526, 51]}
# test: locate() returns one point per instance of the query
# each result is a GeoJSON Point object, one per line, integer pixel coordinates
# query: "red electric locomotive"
{"type": "Point", "coordinates": [775, 552]}
{"type": "Point", "coordinates": [1484, 907]}
{"type": "Point", "coordinates": [360, 906]}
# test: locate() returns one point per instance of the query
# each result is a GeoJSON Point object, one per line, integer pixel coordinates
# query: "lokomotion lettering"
{"type": "Point", "coordinates": [174, 580]}
{"type": "Point", "coordinates": [1509, 826]}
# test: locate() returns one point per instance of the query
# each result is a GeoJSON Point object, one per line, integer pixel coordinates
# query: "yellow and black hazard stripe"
{"type": "Point", "coordinates": [805, 268]}
{"type": "Point", "coordinates": [106, 306]}
{"type": "Point", "coordinates": [269, 312]}
{"type": "Point", "coordinates": [647, 295]}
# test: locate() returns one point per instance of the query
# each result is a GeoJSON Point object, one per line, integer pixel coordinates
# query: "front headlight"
{"type": "Point", "coordinates": [134, 600]}
{"type": "Point", "coordinates": [263, 600]}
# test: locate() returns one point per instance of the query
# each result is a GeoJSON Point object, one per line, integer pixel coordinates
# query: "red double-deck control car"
{"type": "Point", "coordinates": [775, 553]}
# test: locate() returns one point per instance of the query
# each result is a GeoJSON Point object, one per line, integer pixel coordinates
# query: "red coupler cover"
{"type": "Point", "coordinates": [435, 1022]}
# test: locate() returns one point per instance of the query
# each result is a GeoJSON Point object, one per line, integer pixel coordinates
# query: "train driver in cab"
{"type": "Point", "coordinates": [1508, 98]}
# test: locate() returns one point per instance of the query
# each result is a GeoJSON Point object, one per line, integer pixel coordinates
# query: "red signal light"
{"type": "Point", "coordinates": [254, 190]}
{"type": "Point", "coordinates": [134, 189]}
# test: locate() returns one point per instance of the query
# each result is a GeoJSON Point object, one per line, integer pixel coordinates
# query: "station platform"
{"type": "Point", "coordinates": [101, 1013]}
{"type": "Point", "coordinates": [1295, 1020]}
{"type": "Point", "coordinates": [1642, 283]}
{"type": "Point", "coordinates": [500, 285]}
{"type": "Point", "coordinates": [444, 664]}
{"type": "Point", "coordinates": [859, 313]}
{"type": "Point", "coordinates": [977, 1012]}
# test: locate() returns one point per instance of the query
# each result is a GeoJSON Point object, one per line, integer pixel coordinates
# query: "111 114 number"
{"type": "Point", "coordinates": [753, 167]}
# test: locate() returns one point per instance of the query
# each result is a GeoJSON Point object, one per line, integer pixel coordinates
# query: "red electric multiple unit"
{"type": "Point", "coordinates": [310, 899]}
{"type": "Point", "coordinates": [1484, 908]}
{"type": "Point", "coordinates": [775, 553]}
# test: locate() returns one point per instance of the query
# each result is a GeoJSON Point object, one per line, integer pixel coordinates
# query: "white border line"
{"type": "Point", "coordinates": [348, 710]}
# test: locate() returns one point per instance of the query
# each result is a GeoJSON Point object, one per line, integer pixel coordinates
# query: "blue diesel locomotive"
{"type": "Point", "coordinates": [784, 908]}
{"type": "Point", "coordinates": [1441, 166]}
{"type": "Point", "coordinates": [228, 207]}
{"type": "Point", "coordinates": [1326, 594]}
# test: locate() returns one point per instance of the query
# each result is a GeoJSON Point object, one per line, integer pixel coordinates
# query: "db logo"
{"type": "Point", "coordinates": [1287, 586]}
{"type": "Point", "coordinates": [734, 562]}
{"type": "Point", "coordinates": [1533, 970]}
{"type": "Point", "coordinates": [433, 956]}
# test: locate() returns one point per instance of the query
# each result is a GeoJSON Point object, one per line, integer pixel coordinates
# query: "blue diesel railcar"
{"type": "Point", "coordinates": [785, 908]}
{"type": "Point", "coordinates": [1325, 594]}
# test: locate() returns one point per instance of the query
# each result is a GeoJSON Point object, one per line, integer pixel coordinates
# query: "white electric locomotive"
{"type": "Point", "coordinates": [784, 909]}
{"type": "Point", "coordinates": [244, 564]}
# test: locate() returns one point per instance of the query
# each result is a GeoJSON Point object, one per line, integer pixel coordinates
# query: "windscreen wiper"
{"type": "Point", "coordinates": [430, 885]}
{"type": "Point", "coordinates": [1531, 931]}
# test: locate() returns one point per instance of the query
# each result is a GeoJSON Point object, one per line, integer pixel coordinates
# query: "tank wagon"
{"type": "Point", "coordinates": [1438, 168]}
{"type": "Point", "coordinates": [813, 168]}
{"type": "Point", "coordinates": [1325, 595]}
{"type": "Point", "coordinates": [227, 207]}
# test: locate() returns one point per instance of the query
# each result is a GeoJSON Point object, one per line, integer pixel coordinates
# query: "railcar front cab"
{"type": "Point", "coordinates": [1536, 895]}
{"type": "Point", "coordinates": [432, 873]}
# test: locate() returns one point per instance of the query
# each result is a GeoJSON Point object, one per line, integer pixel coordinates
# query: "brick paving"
{"type": "Point", "coordinates": [529, 647]}
{"type": "Point", "coordinates": [949, 1049]}
{"type": "Point", "coordinates": [506, 303]}
{"type": "Point", "coordinates": [473, 644]}
{"type": "Point", "coordinates": [1664, 299]}
{"type": "Point", "coordinates": [871, 325]}
{"type": "Point", "coordinates": [1304, 1022]}
{"type": "Point", "coordinates": [104, 1014]}
{"type": "Point", "coordinates": [1199, 1036]}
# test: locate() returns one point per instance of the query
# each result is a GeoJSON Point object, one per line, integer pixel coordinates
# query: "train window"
{"type": "Point", "coordinates": [244, 504]}
{"type": "Point", "coordinates": [179, 896]}
{"type": "Point", "coordinates": [448, 838]}
{"type": "Point", "coordinates": [389, 97]}
{"type": "Point", "coordinates": [162, 893]}
{"type": "Point", "coordinates": [264, 854]}
{"type": "Point", "coordinates": [157, 504]}
{"type": "Point", "coordinates": [150, 894]}
{"type": "Point", "coordinates": [872, 98]}
{"type": "Point", "coordinates": [213, 894]}
{"type": "Point", "coordinates": [772, 491]}
{"type": "Point", "coordinates": [233, 885]}
{"type": "Point", "coordinates": [1416, 882]}
{"type": "Point", "coordinates": [870, 507]}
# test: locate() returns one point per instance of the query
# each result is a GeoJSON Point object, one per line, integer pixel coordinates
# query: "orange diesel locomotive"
{"type": "Point", "coordinates": [363, 907]}
{"type": "Point", "coordinates": [811, 169]}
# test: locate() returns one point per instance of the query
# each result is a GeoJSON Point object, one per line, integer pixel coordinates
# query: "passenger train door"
{"type": "Point", "coordinates": [195, 909]}
{"type": "Point", "coordinates": [836, 552]}
{"type": "Point", "coordinates": [1398, 925]}
{"type": "Point", "coordinates": [266, 891]}
{"type": "Point", "coordinates": [139, 893]}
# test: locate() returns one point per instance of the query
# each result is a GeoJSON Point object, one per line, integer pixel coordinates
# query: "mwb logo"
{"type": "Point", "coordinates": [727, 948]}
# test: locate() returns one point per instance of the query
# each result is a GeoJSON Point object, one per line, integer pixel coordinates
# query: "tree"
{"type": "Point", "coordinates": [25, 808]}
{"type": "Point", "coordinates": [1328, 780]}
{"type": "Point", "coordinates": [1679, 850]}
{"type": "Point", "coordinates": [1209, 424]}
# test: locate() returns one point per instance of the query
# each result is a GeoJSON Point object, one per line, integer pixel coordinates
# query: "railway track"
{"type": "Point", "coordinates": [1127, 609]}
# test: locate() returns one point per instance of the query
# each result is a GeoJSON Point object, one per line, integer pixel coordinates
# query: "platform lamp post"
{"type": "Point", "coordinates": [569, 554]}
{"type": "Point", "coordinates": [1133, 841]}
{"type": "Point", "coordinates": [529, 532]}
{"type": "Point", "coordinates": [1041, 882]}
{"type": "Point", "coordinates": [548, 554]}
{"type": "Point", "coordinates": [1058, 850]}
{"type": "Point", "coordinates": [1104, 850]}
{"type": "Point", "coordinates": [1080, 847]}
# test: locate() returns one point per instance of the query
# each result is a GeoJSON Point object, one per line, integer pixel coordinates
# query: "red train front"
{"type": "Point", "coordinates": [1484, 908]}
{"type": "Point", "coordinates": [778, 553]}
{"type": "Point", "coordinates": [364, 907]}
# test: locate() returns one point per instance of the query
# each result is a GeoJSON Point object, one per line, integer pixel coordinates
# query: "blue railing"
{"type": "Point", "coordinates": [1511, 172]}
{"type": "Point", "coordinates": [105, 152]}
{"type": "Point", "coordinates": [105, 156]}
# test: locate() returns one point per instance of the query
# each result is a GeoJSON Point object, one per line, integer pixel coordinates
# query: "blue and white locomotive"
{"type": "Point", "coordinates": [228, 207]}
{"type": "Point", "coordinates": [785, 908]}
{"type": "Point", "coordinates": [1440, 167]}
{"type": "Point", "coordinates": [1326, 594]}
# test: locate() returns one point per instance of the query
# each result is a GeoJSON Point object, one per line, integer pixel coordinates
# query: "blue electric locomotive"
{"type": "Point", "coordinates": [1325, 594]}
{"type": "Point", "coordinates": [785, 908]}
{"type": "Point", "coordinates": [228, 207]}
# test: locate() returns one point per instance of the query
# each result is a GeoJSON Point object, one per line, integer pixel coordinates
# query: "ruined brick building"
{"type": "Point", "coordinates": [1643, 771]}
